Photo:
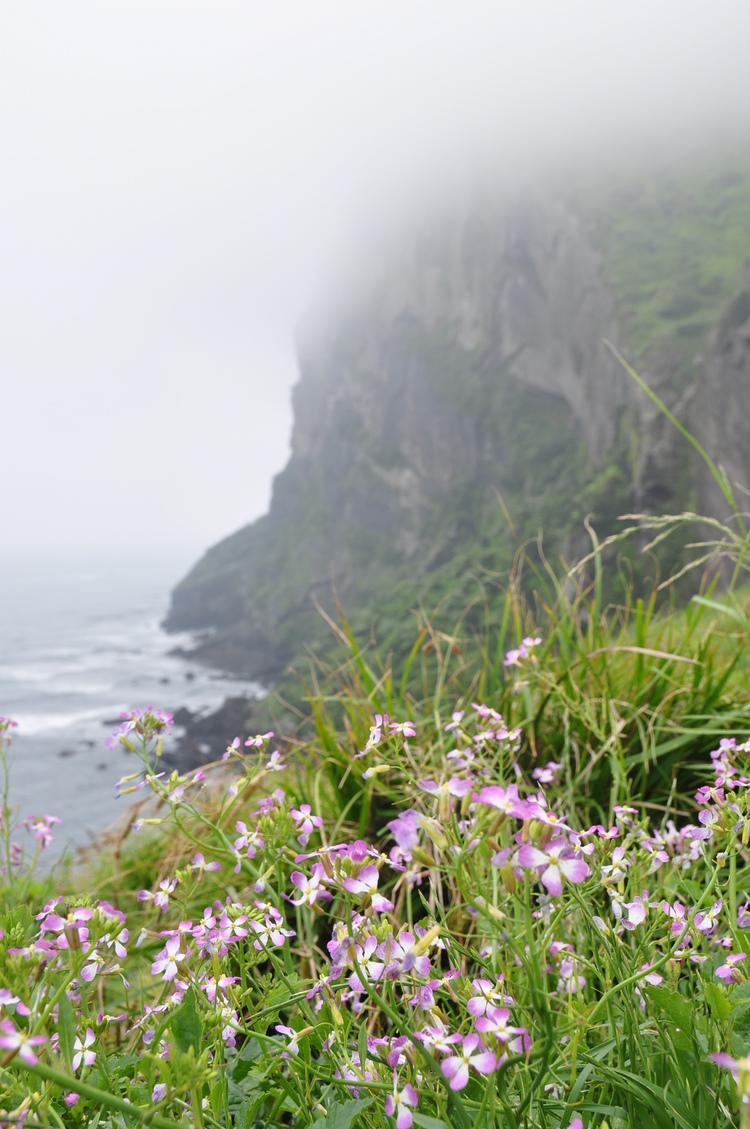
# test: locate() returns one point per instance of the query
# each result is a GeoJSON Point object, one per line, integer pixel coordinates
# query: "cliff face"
{"type": "Point", "coordinates": [474, 365]}
{"type": "Point", "coordinates": [722, 404]}
{"type": "Point", "coordinates": [411, 398]}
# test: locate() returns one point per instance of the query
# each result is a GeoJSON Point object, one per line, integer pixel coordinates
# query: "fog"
{"type": "Point", "coordinates": [180, 179]}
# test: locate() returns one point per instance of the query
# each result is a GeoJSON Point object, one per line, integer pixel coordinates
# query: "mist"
{"type": "Point", "coordinates": [180, 180]}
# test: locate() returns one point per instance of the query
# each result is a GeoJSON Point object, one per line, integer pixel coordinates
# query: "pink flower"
{"type": "Point", "coordinates": [376, 734]}
{"type": "Point", "coordinates": [259, 741]}
{"type": "Point", "coordinates": [455, 721]}
{"type": "Point", "coordinates": [558, 861]}
{"type": "Point", "coordinates": [41, 827]}
{"type": "Point", "coordinates": [707, 922]}
{"type": "Point", "coordinates": [270, 930]}
{"type": "Point", "coordinates": [485, 995]}
{"type": "Point", "coordinates": [310, 888]}
{"type": "Point", "coordinates": [405, 830]}
{"type": "Point", "coordinates": [637, 910]}
{"type": "Point", "coordinates": [736, 1065]}
{"type": "Point", "coordinates": [397, 1104]}
{"type": "Point", "coordinates": [167, 964]}
{"type": "Point", "coordinates": [548, 774]}
{"type": "Point", "coordinates": [306, 823]}
{"type": "Point", "coordinates": [199, 864]}
{"type": "Point", "coordinates": [405, 728]}
{"type": "Point", "coordinates": [505, 800]}
{"type": "Point", "coordinates": [495, 1022]}
{"type": "Point", "coordinates": [453, 787]}
{"type": "Point", "coordinates": [473, 1054]}
{"type": "Point", "coordinates": [727, 971]}
{"type": "Point", "coordinates": [366, 882]}
{"type": "Point", "coordinates": [12, 1039]}
{"type": "Point", "coordinates": [292, 1046]}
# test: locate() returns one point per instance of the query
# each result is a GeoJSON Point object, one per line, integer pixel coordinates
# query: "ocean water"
{"type": "Point", "coordinates": [80, 641]}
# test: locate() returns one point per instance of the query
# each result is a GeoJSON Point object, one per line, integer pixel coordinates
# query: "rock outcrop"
{"type": "Point", "coordinates": [473, 365]}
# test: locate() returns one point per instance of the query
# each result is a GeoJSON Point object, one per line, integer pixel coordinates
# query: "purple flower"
{"type": "Point", "coordinates": [306, 822]}
{"type": "Point", "coordinates": [405, 830]}
{"type": "Point", "coordinates": [366, 882]}
{"type": "Point", "coordinates": [485, 995]}
{"type": "Point", "coordinates": [505, 800]}
{"type": "Point", "coordinates": [455, 722]}
{"type": "Point", "coordinates": [637, 910]}
{"type": "Point", "coordinates": [707, 922]}
{"type": "Point", "coordinates": [548, 774]}
{"type": "Point", "coordinates": [453, 787]}
{"type": "Point", "coordinates": [558, 861]}
{"type": "Point", "coordinates": [270, 930]}
{"type": "Point", "coordinates": [161, 897]}
{"type": "Point", "coordinates": [375, 736]}
{"type": "Point", "coordinates": [292, 1046]}
{"type": "Point", "coordinates": [372, 969]}
{"type": "Point", "coordinates": [405, 728]}
{"type": "Point", "coordinates": [41, 827]}
{"type": "Point", "coordinates": [404, 954]}
{"type": "Point", "coordinates": [258, 741]}
{"type": "Point", "coordinates": [311, 889]}
{"type": "Point", "coordinates": [159, 1092]}
{"type": "Point", "coordinates": [436, 1037]}
{"type": "Point", "coordinates": [12, 1039]}
{"type": "Point", "coordinates": [397, 1104]}
{"type": "Point", "coordinates": [473, 1054]}
{"type": "Point", "coordinates": [199, 865]}
{"type": "Point", "coordinates": [211, 984]}
{"type": "Point", "coordinates": [167, 964]}
{"type": "Point", "coordinates": [727, 971]}
{"type": "Point", "coordinates": [495, 1022]}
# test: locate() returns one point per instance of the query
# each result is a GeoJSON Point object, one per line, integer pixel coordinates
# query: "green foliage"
{"type": "Point", "coordinates": [675, 235]}
{"type": "Point", "coordinates": [622, 1023]}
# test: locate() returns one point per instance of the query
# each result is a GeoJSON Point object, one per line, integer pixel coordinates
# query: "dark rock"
{"type": "Point", "coordinates": [207, 735]}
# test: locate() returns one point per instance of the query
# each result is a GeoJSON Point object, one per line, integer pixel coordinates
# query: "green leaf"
{"type": "Point", "coordinates": [248, 1109]}
{"type": "Point", "coordinates": [740, 993]}
{"type": "Point", "coordinates": [734, 613]}
{"type": "Point", "coordinates": [679, 1009]}
{"type": "Point", "coordinates": [66, 1029]}
{"type": "Point", "coordinates": [186, 1024]}
{"type": "Point", "coordinates": [428, 1122]}
{"type": "Point", "coordinates": [718, 1001]}
{"type": "Point", "coordinates": [341, 1114]}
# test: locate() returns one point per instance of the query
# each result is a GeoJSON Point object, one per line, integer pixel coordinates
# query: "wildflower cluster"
{"type": "Point", "coordinates": [473, 953]}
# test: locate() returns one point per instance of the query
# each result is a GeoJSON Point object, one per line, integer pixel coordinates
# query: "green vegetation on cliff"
{"type": "Point", "coordinates": [471, 409]}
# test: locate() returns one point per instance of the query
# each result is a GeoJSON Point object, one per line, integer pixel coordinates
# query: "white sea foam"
{"type": "Point", "coordinates": [73, 655]}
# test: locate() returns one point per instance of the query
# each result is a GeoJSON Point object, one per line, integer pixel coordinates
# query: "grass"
{"type": "Point", "coordinates": [616, 1025]}
{"type": "Point", "coordinates": [503, 882]}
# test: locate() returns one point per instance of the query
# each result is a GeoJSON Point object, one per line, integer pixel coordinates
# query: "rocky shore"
{"type": "Point", "coordinates": [203, 737]}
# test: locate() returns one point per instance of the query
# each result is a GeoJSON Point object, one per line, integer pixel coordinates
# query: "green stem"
{"type": "Point", "coordinates": [111, 1101]}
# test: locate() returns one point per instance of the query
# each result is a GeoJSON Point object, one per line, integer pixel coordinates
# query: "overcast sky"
{"type": "Point", "coordinates": [178, 179]}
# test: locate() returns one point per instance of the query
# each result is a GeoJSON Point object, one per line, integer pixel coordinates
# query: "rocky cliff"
{"type": "Point", "coordinates": [473, 366]}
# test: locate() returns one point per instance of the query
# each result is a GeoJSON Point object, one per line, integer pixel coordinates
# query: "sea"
{"type": "Point", "coordinates": [80, 642]}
